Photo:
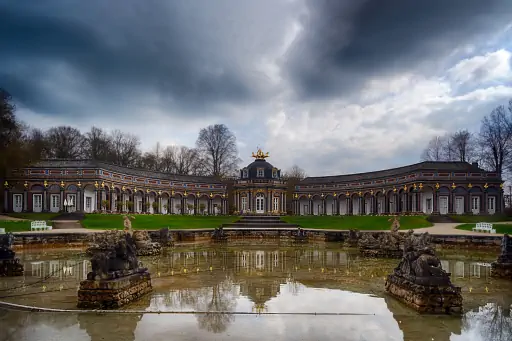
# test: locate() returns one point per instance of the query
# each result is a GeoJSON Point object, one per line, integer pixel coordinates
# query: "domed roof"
{"type": "Point", "coordinates": [260, 168]}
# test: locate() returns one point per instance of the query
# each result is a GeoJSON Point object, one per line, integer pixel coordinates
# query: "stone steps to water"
{"type": "Point", "coordinates": [260, 222]}
{"type": "Point", "coordinates": [440, 219]}
{"type": "Point", "coordinates": [65, 224]}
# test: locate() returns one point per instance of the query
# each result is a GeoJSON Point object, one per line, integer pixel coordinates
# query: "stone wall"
{"type": "Point", "coordinates": [204, 235]}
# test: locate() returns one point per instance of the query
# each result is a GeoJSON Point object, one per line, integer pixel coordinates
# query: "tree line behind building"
{"type": "Point", "coordinates": [491, 147]}
{"type": "Point", "coordinates": [215, 152]}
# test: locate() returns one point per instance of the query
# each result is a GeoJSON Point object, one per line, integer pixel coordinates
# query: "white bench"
{"type": "Point", "coordinates": [39, 225]}
{"type": "Point", "coordinates": [484, 227]}
{"type": "Point", "coordinates": [2, 230]}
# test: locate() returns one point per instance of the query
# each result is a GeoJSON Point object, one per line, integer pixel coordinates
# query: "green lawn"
{"type": "Point", "coordinates": [500, 228]}
{"type": "Point", "coordinates": [356, 222]}
{"type": "Point", "coordinates": [473, 219]}
{"type": "Point", "coordinates": [34, 216]}
{"type": "Point", "coordinates": [156, 221]}
{"type": "Point", "coordinates": [15, 226]}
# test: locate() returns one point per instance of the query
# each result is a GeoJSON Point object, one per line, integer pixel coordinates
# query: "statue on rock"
{"type": "Point", "coordinates": [128, 224]}
{"type": "Point", "coordinates": [144, 245]}
{"type": "Point", "coordinates": [9, 264]}
{"type": "Point", "coordinates": [420, 281]}
{"type": "Point", "coordinates": [117, 277]}
{"type": "Point", "coordinates": [502, 268]}
{"type": "Point", "coordinates": [384, 244]}
{"type": "Point", "coordinates": [219, 235]}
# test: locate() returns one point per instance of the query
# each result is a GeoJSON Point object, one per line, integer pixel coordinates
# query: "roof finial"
{"type": "Point", "coordinates": [260, 155]}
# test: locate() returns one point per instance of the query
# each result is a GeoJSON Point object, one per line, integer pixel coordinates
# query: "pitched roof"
{"type": "Point", "coordinates": [89, 163]}
{"type": "Point", "coordinates": [448, 166]}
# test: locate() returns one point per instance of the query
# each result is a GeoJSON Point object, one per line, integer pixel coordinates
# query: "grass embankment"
{"type": "Point", "coordinates": [115, 221]}
{"type": "Point", "coordinates": [500, 228]}
{"type": "Point", "coordinates": [356, 222]}
{"type": "Point", "coordinates": [155, 221]}
{"type": "Point", "coordinates": [24, 225]}
{"type": "Point", "coordinates": [473, 219]}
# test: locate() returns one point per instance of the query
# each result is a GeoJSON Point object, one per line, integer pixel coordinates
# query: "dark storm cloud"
{"type": "Point", "coordinates": [184, 53]}
{"type": "Point", "coordinates": [344, 43]}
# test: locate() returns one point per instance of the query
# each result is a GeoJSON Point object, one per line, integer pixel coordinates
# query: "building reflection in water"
{"type": "Point", "coordinates": [215, 282]}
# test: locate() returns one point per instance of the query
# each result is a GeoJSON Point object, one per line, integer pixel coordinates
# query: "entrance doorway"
{"type": "Point", "coordinates": [260, 203]}
{"type": "Point", "coordinates": [459, 205]}
{"type": "Point", "coordinates": [475, 205]}
{"type": "Point", "coordinates": [71, 202]}
{"type": "Point", "coordinates": [37, 203]}
{"type": "Point", "coordinates": [17, 203]}
{"type": "Point", "coordinates": [443, 205]}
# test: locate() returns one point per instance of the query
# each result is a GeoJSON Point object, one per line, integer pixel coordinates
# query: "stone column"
{"type": "Point", "coordinates": [79, 201]}
{"type": "Point", "coordinates": [484, 204]}
{"type": "Point", "coordinates": [25, 200]}
{"type": "Point", "coordinates": [61, 203]}
{"type": "Point", "coordinates": [6, 200]}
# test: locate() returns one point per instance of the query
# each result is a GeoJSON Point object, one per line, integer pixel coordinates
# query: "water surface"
{"type": "Point", "coordinates": [246, 292]}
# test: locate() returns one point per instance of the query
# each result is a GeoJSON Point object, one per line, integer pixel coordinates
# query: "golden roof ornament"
{"type": "Point", "coordinates": [453, 185]}
{"type": "Point", "coordinates": [123, 188]}
{"type": "Point", "coordinates": [420, 186]}
{"type": "Point", "coordinates": [96, 184]}
{"type": "Point", "coordinates": [414, 186]}
{"type": "Point", "coordinates": [6, 184]}
{"type": "Point", "coordinates": [159, 192]}
{"type": "Point", "coordinates": [486, 185]}
{"type": "Point", "coordinates": [112, 186]}
{"type": "Point", "coordinates": [322, 195]}
{"type": "Point", "coordinates": [25, 184]}
{"type": "Point", "coordinates": [211, 195]}
{"type": "Point", "coordinates": [62, 184]}
{"type": "Point", "coordinates": [102, 184]}
{"type": "Point", "coordinates": [371, 192]}
{"type": "Point", "coordinates": [147, 190]}
{"type": "Point", "coordinates": [502, 185]}
{"type": "Point", "coordinates": [437, 185]}
{"type": "Point", "coordinates": [347, 194]}
{"type": "Point", "coordinates": [405, 187]}
{"type": "Point", "coordinates": [394, 189]}
{"type": "Point", "coordinates": [45, 183]}
{"type": "Point", "coordinates": [470, 185]}
{"type": "Point", "coordinates": [295, 195]}
{"type": "Point", "coordinates": [79, 184]}
{"type": "Point", "coordinates": [172, 192]}
{"type": "Point", "coordinates": [335, 194]}
{"type": "Point", "coordinates": [260, 155]}
{"type": "Point", "coordinates": [360, 193]}
{"type": "Point", "coordinates": [309, 195]}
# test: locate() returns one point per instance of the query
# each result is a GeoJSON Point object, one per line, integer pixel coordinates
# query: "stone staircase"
{"type": "Point", "coordinates": [440, 219]}
{"type": "Point", "coordinates": [260, 222]}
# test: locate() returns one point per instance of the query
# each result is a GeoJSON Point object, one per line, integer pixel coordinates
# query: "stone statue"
{"type": "Point", "coordinates": [6, 242]}
{"type": "Point", "coordinates": [144, 245]}
{"type": "Point", "coordinates": [502, 268]}
{"type": "Point", "coordinates": [128, 224]}
{"type": "Point", "coordinates": [165, 237]}
{"type": "Point", "coordinates": [352, 238]}
{"type": "Point", "coordinates": [395, 225]}
{"type": "Point", "coordinates": [117, 260]}
{"type": "Point", "coordinates": [301, 235]}
{"type": "Point", "coordinates": [420, 281]}
{"type": "Point", "coordinates": [219, 235]}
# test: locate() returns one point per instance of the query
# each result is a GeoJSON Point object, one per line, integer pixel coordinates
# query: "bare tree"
{"type": "Point", "coordinates": [295, 173]}
{"type": "Point", "coordinates": [65, 142]}
{"type": "Point", "coordinates": [462, 144]}
{"type": "Point", "coordinates": [98, 145]}
{"type": "Point", "coordinates": [217, 146]}
{"type": "Point", "coordinates": [125, 148]}
{"type": "Point", "coordinates": [496, 138]}
{"type": "Point", "coordinates": [37, 146]}
{"type": "Point", "coordinates": [437, 149]}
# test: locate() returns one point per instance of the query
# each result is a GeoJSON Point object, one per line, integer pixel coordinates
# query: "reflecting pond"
{"type": "Point", "coordinates": [255, 292]}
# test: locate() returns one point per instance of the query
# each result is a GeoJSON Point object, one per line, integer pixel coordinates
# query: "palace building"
{"type": "Point", "coordinates": [90, 186]}
{"type": "Point", "coordinates": [426, 187]}
{"type": "Point", "coordinates": [260, 188]}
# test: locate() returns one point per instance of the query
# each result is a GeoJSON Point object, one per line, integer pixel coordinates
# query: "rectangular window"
{"type": "Point", "coordinates": [474, 203]}
{"type": "Point", "coordinates": [276, 204]}
{"type": "Point", "coordinates": [429, 204]}
{"type": "Point", "coordinates": [55, 200]}
{"type": "Point", "coordinates": [244, 203]}
{"type": "Point", "coordinates": [88, 203]}
{"type": "Point", "coordinates": [274, 173]}
{"type": "Point", "coordinates": [17, 200]}
{"type": "Point", "coordinates": [491, 203]}
{"type": "Point", "coordinates": [244, 173]}
{"type": "Point", "coordinates": [261, 173]}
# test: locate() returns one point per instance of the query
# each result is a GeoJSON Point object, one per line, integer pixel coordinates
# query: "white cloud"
{"type": "Point", "coordinates": [391, 121]}
{"type": "Point", "coordinates": [493, 66]}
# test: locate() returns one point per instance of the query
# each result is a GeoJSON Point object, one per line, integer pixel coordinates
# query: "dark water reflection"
{"type": "Point", "coordinates": [216, 284]}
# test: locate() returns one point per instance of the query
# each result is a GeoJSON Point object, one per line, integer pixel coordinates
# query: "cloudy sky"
{"type": "Point", "coordinates": [335, 86]}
